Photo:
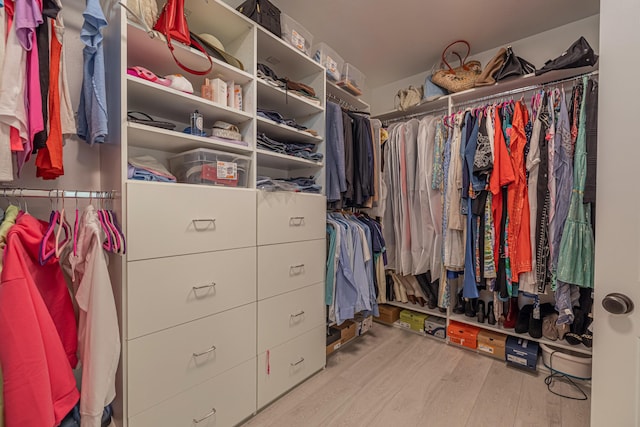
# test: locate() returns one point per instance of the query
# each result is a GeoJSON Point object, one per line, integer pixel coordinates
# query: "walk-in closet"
{"type": "Point", "coordinates": [292, 213]}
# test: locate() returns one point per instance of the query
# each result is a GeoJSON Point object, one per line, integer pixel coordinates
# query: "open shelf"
{"type": "Point", "coordinates": [338, 92]}
{"type": "Point", "coordinates": [155, 55]}
{"type": "Point", "coordinates": [461, 318]}
{"type": "Point", "coordinates": [170, 141]}
{"type": "Point", "coordinates": [284, 133]}
{"type": "Point", "coordinates": [277, 53]}
{"type": "Point", "coordinates": [284, 102]}
{"type": "Point", "coordinates": [416, 307]}
{"type": "Point", "coordinates": [274, 160]}
{"type": "Point", "coordinates": [162, 101]}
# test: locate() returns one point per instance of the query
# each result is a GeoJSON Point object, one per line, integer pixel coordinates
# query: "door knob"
{"type": "Point", "coordinates": [616, 303]}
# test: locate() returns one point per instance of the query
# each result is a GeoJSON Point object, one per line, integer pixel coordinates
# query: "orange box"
{"type": "Point", "coordinates": [463, 334]}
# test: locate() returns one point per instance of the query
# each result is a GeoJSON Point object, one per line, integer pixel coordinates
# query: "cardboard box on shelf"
{"type": "Point", "coordinates": [364, 324]}
{"type": "Point", "coordinates": [492, 343]}
{"type": "Point", "coordinates": [522, 353]}
{"type": "Point", "coordinates": [347, 330]}
{"type": "Point", "coordinates": [334, 339]}
{"type": "Point", "coordinates": [436, 326]}
{"type": "Point", "coordinates": [388, 313]}
{"type": "Point", "coordinates": [463, 334]}
{"type": "Point", "coordinates": [414, 319]}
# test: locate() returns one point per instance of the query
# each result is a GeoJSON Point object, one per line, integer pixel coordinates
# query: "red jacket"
{"type": "Point", "coordinates": [38, 333]}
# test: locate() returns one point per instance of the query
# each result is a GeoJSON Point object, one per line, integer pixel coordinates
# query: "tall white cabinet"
{"type": "Point", "coordinates": [221, 291]}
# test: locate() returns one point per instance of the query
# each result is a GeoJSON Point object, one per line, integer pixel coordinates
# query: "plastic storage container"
{"type": "Point", "coordinates": [567, 362]}
{"type": "Point", "coordinates": [352, 80]}
{"type": "Point", "coordinates": [210, 167]}
{"type": "Point", "coordinates": [330, 59]}
{"type": "Point", "coordinates": [295, 34]}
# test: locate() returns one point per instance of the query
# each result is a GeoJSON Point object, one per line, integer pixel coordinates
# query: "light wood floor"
{"type": "Point", "coordinates": [390, 377]}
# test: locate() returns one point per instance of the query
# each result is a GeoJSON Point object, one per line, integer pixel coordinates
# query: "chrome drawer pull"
{"type": "Point", "coordinates": [213, 348]}
{"type": "Point", "coordinates": [209, 415]}
{"type": "Point", "coordinates": [208, 223]}
{"type": "Point", "coordinates": [210, 286]}
{"type": "Point", "coordinates": [297, 314]}
{"type": "Point", "coordinates": [298, 362]}
{"type": "Point", "coordinates": [296, 221]}
{"type": "Point", "coordinates": [296, 269]}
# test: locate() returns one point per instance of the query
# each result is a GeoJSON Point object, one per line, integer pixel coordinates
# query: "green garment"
{"type": "Point", "coordinates": [577, 252]}
{"type": "Point", "coordinates": [10, 216]}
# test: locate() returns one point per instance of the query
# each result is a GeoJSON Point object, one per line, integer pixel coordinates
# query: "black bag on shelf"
{"type": "Point", "coordinates": [264, 13]}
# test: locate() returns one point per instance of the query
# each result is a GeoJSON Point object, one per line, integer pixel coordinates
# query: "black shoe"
{"type": "Point", "coordinates": [577, 328]}
{"type": "Point", "coordinates": [522, 323]}
{"type": "Point", "coordinates": [491, 317]}
{"type": "Point", "coordinates": [481, 314]}
{"type": "Point", "coordinates": [459, 308]}
{"type": "Point", "coordinates": [535, 326]}
{"type": "Point", "coordinates": [470, 307]}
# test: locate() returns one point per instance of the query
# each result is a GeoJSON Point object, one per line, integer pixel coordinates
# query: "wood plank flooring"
{"type": "Point", "coordinates": [390, 377]}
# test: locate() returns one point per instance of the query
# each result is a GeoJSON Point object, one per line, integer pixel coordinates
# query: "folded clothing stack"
{"type": "Point", "coordinates": [302, 150]}
{"type": "Point", "coordinates": [147, 168]}
{"type": "Point", "coordinates": [305, 185]}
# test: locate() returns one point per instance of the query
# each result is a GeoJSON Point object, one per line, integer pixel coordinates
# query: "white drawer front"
{"type": "Point", "coordinates": [168, 362]}
{"type": "Point", "coordinates": [165, 221]}
{"type": "Point", "coordinates": [290, 363]}
{"type": "Point", "coordinates": [290, 217]}
{"type": "Point", "coordinates": [166, 292]}
{"type": "Point", "coordinates": [289, 266]}
{"type": "Point", "coordinates": [286, 316]}
{"type": "Point", "coordinates": [231, 394]}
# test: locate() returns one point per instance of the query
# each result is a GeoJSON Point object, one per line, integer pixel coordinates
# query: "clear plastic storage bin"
{"type": "Point", "coordinates": [210, 167]}
{"type": "Point", "coordinates": [295, 34]}
{"type": "Point", "coordinates": [330, 59]}
{"type": "Point", "coordinates": [352, 80]}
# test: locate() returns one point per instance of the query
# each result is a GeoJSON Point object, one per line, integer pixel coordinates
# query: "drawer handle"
{"type": "Point", "coordinates": [296, 221]}
{"type": "Point", "coordinates": [199, 288]}
{"type": "Point", "coordinates": [297, 314]}
{"type": "Point", "coordinates": [296, 269]}
{"type": "Point", "coordinates": [209, 415]}
{"type": "Point", "coordinates": [207, 221]}
{"type": "Point", "coordinates": [298, 362]}
{"type": "Point", "coordinates": [213, 348]}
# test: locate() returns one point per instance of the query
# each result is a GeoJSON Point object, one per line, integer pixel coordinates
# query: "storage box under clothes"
{"type": "Point", "coordinates": [330, 59]}
{"type": "Point", "coordinates": [463, 334]}
{"type": "Point", "coordinates": [347, 330]}
{"type": "Point", "coordinates": [413, 319]}
{"type": "Point", "coordinates": [210, 167]}
{"type": "Point", "coordinates": [522, 353]}
{"type": "Point", "coordinates": [295, 34]}
{"type": "Point", "coordinates": [334, 339]}
{"type": "Point", "coordinates": [352, 80]}
{"type": "Point", "coordinates": [492, 343]}
{"type": "Point", "coordinates": [388, 313]}
{"type": "Point", "coordinates": [363, 324]}
{"type": "Point", "coordinates": [436, 326]}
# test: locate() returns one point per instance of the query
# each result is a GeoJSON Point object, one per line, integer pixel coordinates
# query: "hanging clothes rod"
{"type": "Point", "coordinates": [341, 102]}
{"type": "Point", "coordinates": [57, 194]}
{"type": "Point", "coordinates": [415, 115]}
{"type": "Point", "coordinates": [522, 90]}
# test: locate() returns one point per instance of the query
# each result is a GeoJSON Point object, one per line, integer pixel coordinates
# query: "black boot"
{"type": "Point", "coordinates": [470, 307]}
{"type": "Point", "coordinates": [491, 316]}
{"type": "Point", "coordinates": [459, 308]}
{"type": "Point", "coordinates": [481, 313]}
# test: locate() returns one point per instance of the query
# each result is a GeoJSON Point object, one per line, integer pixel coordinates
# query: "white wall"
{"type": "Point", "coordinates": [536, 49]}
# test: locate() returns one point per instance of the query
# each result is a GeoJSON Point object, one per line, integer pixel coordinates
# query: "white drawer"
{"type": "Point", "coordinates": [164, 364]}
{"type": "Point", "coordinates": [290, 217]}
{"type": "Point", "coordinates": [165, 220]}
{"type": "Point", "coordinates": [290, 363]}
{"type": "Point", "coordinates": [231, 394]}
{"type": "Point", "coordinates": [166, 292]}
{"type": "Point", "coordinates": [289, 266]}
{"type": "Point", "coordinates": [288, 315]}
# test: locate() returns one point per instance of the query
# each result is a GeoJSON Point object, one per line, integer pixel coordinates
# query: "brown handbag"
{"type": "Point", "coordinates": [459, 78]}
{"type": "Point", "coordinates": [172, 23]}
{"type": "Point", "coordinates": [487, 78]}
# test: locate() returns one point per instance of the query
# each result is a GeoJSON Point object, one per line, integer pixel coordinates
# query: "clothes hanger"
{"type": "Point", "coordinates": [63, 225]}
{"type": "Point", "coordinates": [76, 226]}
{"type": "Point", "coordinates": [117, 238]}
{"type": "Point", "coordinates": [43, 255]}
{"type": "Point", "coordinates": [109, 244]}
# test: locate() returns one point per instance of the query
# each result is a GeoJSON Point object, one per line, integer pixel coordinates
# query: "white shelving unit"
{"type": "Point", "coordinates": [285, 133]}
{"type": "Point", "coordinates": [336, 91]}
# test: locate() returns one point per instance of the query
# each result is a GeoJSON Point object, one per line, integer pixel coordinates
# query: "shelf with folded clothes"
{"type": "Point", "coordinates": [280, 55]}
{"type": "Point", "coordinates": [287, 102]}
{"type": "Point", "coordinates": [171, 141]}
{"type": "Point", "coordinates": [581, 348]}
{"type": "Point", "coordinates": [416, 307]}
{"type": "Point", "coordinates": [340, 93]}
{"type": "Point", "coordinates": [271, 159]}
{"type": "Point", "coordinates": [154, 54]}
{"type": "Point", "coordinates": [285, 133]}
{"type": "Point", "coordinates": [159, 100]}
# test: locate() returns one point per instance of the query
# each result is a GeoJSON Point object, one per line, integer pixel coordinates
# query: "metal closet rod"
{"type": "Point", "coordinates": [415, 115]}
{"type": "Point", "coordinates": [341, 102]}
{"type": "Point", "coordinates": [522, 90]}
{"type": "Point", "coordinates": [56, 193]}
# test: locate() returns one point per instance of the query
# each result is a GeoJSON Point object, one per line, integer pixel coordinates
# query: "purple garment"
{"type": "Point", "coordinates": [27, 17]}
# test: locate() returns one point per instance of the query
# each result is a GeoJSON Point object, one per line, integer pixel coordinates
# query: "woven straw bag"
{"type": "Point", "coordinates": [459, 78]}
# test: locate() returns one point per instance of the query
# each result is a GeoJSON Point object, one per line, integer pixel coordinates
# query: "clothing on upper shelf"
{"type": "Point", "coordinates": [92, 111]}
{"type": "Point", "coordinates": [147, 168]}
{"type": "Point", "coordinates": [355, 266]}
{"type": "Point", "coordinates": [305, 185]}
{"type": "Point", "coordinates": [302, 150]}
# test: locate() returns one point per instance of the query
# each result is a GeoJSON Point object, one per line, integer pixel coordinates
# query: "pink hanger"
{"type": "Point", "coordinates": [76, 226]}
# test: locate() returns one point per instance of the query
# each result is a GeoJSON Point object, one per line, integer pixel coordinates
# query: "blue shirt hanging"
{"type": "Point", "coordinates": [92, 111]}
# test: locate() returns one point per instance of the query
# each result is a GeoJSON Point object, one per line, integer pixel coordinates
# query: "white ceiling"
{"type": "Point", "coordinates": [391, 40]}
